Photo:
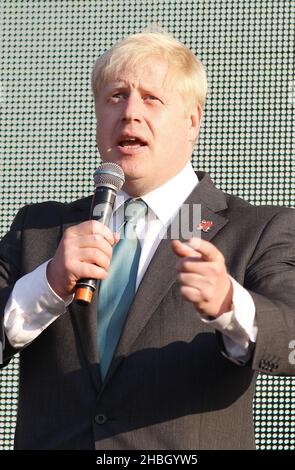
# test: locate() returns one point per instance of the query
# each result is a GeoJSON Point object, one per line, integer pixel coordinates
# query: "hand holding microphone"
{"type": "Point", "coordinates": [85, 250]}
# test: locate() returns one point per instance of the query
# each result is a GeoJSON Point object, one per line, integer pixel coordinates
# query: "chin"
{"type": "Point", "coordinates": [132, 167]}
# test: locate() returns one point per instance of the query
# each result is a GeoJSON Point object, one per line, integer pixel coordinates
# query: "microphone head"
{"type": "Point", "coordinates": [109, 174]}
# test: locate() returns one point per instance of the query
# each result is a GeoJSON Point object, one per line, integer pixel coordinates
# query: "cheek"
{"type": "Point", "coordinates": [98, 135]}
{"type": "Point", "coordinates": [166, 135]}
{"type": "Point", "coordinates": [101, 131]}
{"type": "Point", "coordinates": [101, 142]}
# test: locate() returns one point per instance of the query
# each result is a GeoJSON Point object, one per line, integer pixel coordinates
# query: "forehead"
{"type": "Point", "coordinates": [145, 74]}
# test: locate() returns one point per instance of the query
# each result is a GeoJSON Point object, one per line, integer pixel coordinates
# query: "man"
{"type": "Point", "coordinates": [206, 315]}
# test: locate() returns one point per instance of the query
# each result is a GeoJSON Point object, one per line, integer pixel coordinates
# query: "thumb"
{"type": "Point", "coordinates": [116, 237]}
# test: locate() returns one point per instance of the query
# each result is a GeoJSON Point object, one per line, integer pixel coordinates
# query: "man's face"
{"type": "Point", "coordinates": [142, 126]}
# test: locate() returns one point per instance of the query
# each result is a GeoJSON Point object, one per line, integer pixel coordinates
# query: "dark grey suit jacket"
{"type": "Point", "coordinates": [170, 385]}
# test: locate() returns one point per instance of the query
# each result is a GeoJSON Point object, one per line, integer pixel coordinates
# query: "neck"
{"type": "Point", "coordinates": [138, 187]}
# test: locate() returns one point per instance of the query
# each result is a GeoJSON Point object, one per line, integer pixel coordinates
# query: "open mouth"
{"type": "Point", "coordinates": [131, 143]}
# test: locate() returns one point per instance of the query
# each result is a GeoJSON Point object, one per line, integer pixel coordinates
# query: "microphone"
{"type": "Point", "coordinates": [108, 179]}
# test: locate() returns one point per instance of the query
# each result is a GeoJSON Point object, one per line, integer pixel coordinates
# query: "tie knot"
{"type": "Point", "coordinates": [135, 209]}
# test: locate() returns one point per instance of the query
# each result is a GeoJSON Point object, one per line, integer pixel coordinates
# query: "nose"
{"type": "Point", "coordinates": [132, 109]}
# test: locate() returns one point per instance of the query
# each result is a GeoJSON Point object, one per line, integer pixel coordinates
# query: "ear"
{"type": "Point", "coordinates": [195, 120]}
{"type": "Point", "coordinates": [96, 106]}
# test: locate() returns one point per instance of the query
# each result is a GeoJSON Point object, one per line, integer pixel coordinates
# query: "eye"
{"type": "Point", "coordinates": [151, 97]}
{"type": "Point", "coordinates": [119, 95]}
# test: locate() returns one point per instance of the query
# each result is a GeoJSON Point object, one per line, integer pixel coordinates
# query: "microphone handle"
{"type": "Point", "coordinates": [101, 209]}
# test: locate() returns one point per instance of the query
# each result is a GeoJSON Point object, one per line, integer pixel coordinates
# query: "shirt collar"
{"type": "Point", "coordinates": [166, 200]}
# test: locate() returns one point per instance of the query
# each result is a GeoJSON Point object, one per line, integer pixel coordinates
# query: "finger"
{"type": "Point", "coordinates": [195, 245]}
{"type": "Point", "coordinates": [93, 256]}
{"type": "Point", "coordinates": [116, 237]}
{"type": "Point", "coordinates": [190, 264]}
{"type": "Point", "coordinates": [191, 294]}
{"type": "Point", "coordinates": [193, 280]}
{"type": "Point", "coordinates": [183, 249]}
{"type": "Point", "coordinates": [101, 229]}
{"type": "Point", "coordinates": [93, 241]}
{"type": "Point", "coordinates": [91, 271]}
{"type": "Point", "coordinates": [197, 266]}
{"type": "Point", "coordinates": [208, 251]}
{"type": "Point", "coordinates": [91, 227]}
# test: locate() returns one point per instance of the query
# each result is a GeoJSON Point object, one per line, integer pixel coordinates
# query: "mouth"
{"type": "Point", "coordinates": [131, 143]}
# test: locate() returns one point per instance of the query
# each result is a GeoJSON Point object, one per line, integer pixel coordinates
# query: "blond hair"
{"type": "Point", "coordinates": [184, 68]}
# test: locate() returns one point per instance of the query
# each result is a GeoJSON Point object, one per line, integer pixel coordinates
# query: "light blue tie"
{"type": "Point", "coordinates": [117, 291]}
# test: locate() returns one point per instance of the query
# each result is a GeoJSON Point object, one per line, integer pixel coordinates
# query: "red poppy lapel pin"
{"type": "Point", "coordinates": [205, 225]}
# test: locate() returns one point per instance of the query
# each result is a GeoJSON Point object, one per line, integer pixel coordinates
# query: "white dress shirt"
{"type": "Point", "coordinates": [30, 310]}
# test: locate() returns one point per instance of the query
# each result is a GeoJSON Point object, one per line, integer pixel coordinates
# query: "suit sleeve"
{"type": "Point", "coordinates": [270, 279]}
{"type": "Point", "coordinates": [10, 271]}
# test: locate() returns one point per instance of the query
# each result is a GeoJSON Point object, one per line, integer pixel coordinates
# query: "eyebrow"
{"type": "Point", "coordinates": [118, 83]}
{"type": "Point", "coordinates": [148, 88]}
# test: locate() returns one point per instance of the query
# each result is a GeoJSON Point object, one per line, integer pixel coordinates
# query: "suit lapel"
{"type": "Point", "coordinates": [155, 285]}
{"type": "Point", "coordinates": [84, 319]}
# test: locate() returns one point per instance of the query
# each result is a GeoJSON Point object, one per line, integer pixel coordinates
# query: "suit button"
{"type": "Point", "coordinates": [100, 419]}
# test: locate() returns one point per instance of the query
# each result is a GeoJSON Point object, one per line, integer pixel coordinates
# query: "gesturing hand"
{"type": "Point", "coordinates": [203, 276]}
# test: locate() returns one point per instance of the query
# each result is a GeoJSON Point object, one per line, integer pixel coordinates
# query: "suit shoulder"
{"type": "Point", "coordinates": [50, 213]}
{"type": "Point", "coordinates": [244, 208]}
